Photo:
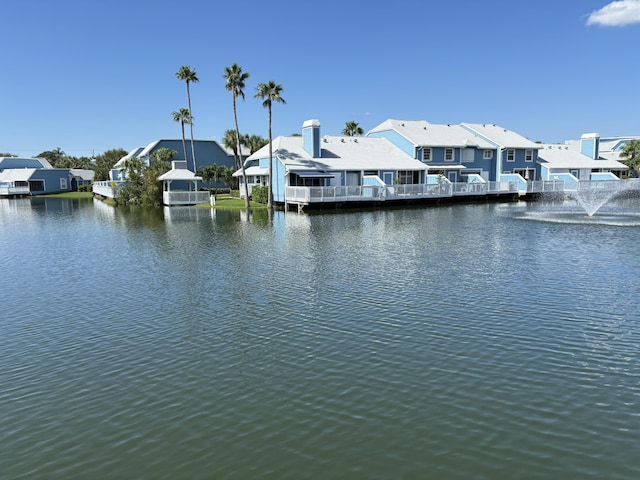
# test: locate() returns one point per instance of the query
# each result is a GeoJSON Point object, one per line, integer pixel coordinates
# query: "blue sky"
{"type": "Point", "coordinates": [87, 76]}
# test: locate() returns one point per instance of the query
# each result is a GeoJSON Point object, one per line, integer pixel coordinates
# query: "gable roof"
{"type": "Point", "coordinates": [19, 162]}
{"type": "Point", "coordinates": [501, 136]}
{"type": "Point", "coordinates": [425, 134]}
{"type": "Point", "coordinates": [564, 156]}
{"type": "Point", "coordinates": [340, 153]}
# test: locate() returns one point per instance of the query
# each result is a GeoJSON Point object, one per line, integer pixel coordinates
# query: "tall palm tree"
{"type": "Point", "coordinates": [189, 76]}
{"type": "Point", "coordinates": [352, 128]}
{"type": "Point", "coordinates": [183, 117]}
{"type": "Point", "coordinates": [254, 143]}
{"type": "Point", "coordinates": [230, 142]}
{"type": "Point", "coordinates": [234, 82]}
{"type": "Point", "coordinates": [270, 92]}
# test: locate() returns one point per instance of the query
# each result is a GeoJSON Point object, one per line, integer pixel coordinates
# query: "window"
{"type": "Point", "coordinates": [448, 154]}
{"type": "Point", "coordinates": [63, 184]}
{"type": "Point", "coordinates": [528, 155]}
{"type": "Point", "coordinates": [511, 155]}
{"type": "Point", "coordinates": [426, 154]}
{"type": "Point", "coordinates": [487, 154]}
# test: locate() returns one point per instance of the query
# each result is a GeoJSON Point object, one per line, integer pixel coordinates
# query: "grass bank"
{"type": "Point", "coordinates": [73, 195]}
{"type": "Point", "coordinates": [229, 202]}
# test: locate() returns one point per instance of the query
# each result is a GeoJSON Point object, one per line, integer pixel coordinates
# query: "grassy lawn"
{"type": "Point", "coordinates": [226, 201]}
{"type": "Point", "coordinates": [74, 195]}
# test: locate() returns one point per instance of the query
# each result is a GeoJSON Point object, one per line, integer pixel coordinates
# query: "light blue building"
{"type": "Point", "coordinates": [450, 150]}
{"type": "Point", "coordinates": [341, 168]}
{"type": "Point", "coordinates": [36, 176]}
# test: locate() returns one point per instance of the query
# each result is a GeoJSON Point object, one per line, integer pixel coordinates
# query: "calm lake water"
{"type": "Point", "coordinates": [490, 341]}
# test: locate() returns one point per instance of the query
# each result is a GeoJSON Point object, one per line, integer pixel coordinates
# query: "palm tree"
{"type": "Point", "coordinates": [183, 117]}
{"type": "Point", "coordinates": [254, 143]}
{"type": "Point", "coordinates": [631, 152]}
{"type": "Point", "coordinates": [270, 92]}
{"type": "Point", "coordinates": [230, 142]}
{"type": "Point", "coordinates": [352, 128]}
{"type": "Point", "coordinates": [235, 79]}
{"type": "Point", "coordinates": [189, 76]}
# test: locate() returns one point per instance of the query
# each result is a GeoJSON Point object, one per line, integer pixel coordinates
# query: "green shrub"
{"type": "Point", "coordinates": [260, 194]}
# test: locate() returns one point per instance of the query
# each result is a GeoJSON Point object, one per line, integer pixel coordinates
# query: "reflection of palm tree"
{"type": "Point", "coordinates": [270, 92]}
{"type": "Point", "coordinates": [352, 128]}
{"type": "Point", "coordinates": [183, 117]}
{"type": "Point", "coordinates": [235, 79]}
{"type": "Point", "coordinates": [185, 73]}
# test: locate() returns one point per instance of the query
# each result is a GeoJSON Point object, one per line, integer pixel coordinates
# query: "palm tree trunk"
{"type": "Point", "coordinates": [270, 192]}
{"type": "Point", "coordinates": [193, 152]}
{"type": "Point", "coordinates": [184, 144]}
{"type": "Point", "coordinates": [244, 174]}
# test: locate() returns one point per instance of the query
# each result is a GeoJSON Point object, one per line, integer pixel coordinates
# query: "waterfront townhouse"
{"type": "Point", "coordinates": [36, 176]}
{"type": "Point", "coordinates": [333, 169]}
{"type": "Point", "coordinates": [448, 150]}
{"type": "Point", "coordinates": [515, 154]}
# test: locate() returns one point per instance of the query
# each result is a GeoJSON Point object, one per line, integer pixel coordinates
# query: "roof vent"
{"type": "Point", "coordinates": [424, 128]}
{"type": "Point", "coordinates": [342, 140]}
{"type": "Point", "coordinates": [402, 124]}
{"type": "Point", "coordinates": [355, 140]}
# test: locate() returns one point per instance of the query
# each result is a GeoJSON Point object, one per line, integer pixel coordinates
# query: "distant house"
{"type": "Point", "coordinates": [32, 176]}
{"type": "Point", "coordinates": [449, 150]}
{"type": "Point", "coordinates": [577, 161]}
{"type": "Point", "coordinates": [208, 152]}
{"type": "Point", "coordinates": [312, 160]}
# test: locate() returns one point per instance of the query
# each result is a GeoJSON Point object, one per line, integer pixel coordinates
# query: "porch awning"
{"type": "Point", "coordinates": [312, 174]}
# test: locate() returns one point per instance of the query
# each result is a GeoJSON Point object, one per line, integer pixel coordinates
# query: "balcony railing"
{"type": "Point", "coordinates": [106, 188]}
{"type": "Point", "coordinates": [7, 189]}
{"type": "Point", "coordinates": [407, 192]}
{"type": "Point", "coordinates": [185, 198]}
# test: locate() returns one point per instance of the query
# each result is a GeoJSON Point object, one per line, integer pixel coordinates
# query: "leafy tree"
{"type": "Point", "coordinates": [212, 172]}
{"type": "Point", "coordinates": [352, 128]}
{"type": "Point", "coordinates": [228, 177]}
{"type": "Point", "coordinates": [631, 153]}
{"type": "Point", "coordinates": [230, 141]}
{"type": "Point", "coordinates": [161, 159]}
{"type": "Point", "coordinates": [254, 142]}
{"type": "Point", "coordinates": [54, 157]}
{"type": "Point", "coordinates": [234, 82]}
{"type": "Point", "coordinates": [188, 75]}
{"type": "Point", "coordinates": [106, 161]}
{"type": "Point", "coordinates": [4, 154]}
{"type": "Point", "coordinates": [183, 117]}
{"type": "Point", "coordinates": [270, 92]}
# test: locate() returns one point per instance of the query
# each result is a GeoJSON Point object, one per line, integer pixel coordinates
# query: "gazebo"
{"type": "Point", "coordinates": [185, 186]}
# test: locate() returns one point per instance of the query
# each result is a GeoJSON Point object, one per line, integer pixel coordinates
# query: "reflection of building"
{"type": "Point", "coordinates": [36, 176]}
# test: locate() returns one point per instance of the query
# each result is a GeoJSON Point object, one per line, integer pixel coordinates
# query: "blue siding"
{"type": "Point", "coordinates": [278, 183]}
{"type": "Point", "coordinates": [52, 180]}
{"type": "Point", "coordinates": [208, 152]}
{"type": "Point", "coordinates": [311, 140]}
{"type": "Point", "coordinates": [398, 140]}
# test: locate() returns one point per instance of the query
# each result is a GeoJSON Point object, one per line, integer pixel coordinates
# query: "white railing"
{"type": "Point", "coordinates": [106, 188]}
{"type": "Point", "coordinates": [8, 190]}
{"type": "Point", "coordinates": [185, 198]}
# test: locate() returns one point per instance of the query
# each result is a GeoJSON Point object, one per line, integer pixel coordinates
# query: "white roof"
{"type": "Point", "coordinates": [179, 174]}
{"type": "Point", "coordinates": [564, 156]}
{"type": "Point", "coordinates": [253, 170]}
{"type": "Point", "coordinates": [131, 154]}
{"type": "Point", "coordinates": [16, 174]}
{"type": "Point", "coordinates": [503, 137]}
{"type": "Point", "coordinates": [426, 134]}
{"type": "Point", "coordinates": [341, 153]}
{"type": "Point", "coordinates": [85, 174]}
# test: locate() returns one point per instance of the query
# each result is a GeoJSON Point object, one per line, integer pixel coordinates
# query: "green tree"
{"type": "Point", "coordinates": [5, 154]}
{"type": "Point", "coordinates": [270, 92]}
{"type": "Point", "coordinates": [212, 172]}
{"type": "Point", "coordinates": [161, 159]}
{"type": "Point", "coordinates": [254, 142]}
{"type": "Point", "coordinates": [183, 117]}
{"type": "Point", "coordinates": [106, 161]}
{"type": "Point", "coordinates": [230, 141]}
{"type": "Point", "coordinates": [631, 153]}
{"type": "Point", "coordinates": [54, 157]}
{"type": "Point", "coordinates": [234, 82]}
{"type": "Point", "coordinates": [352, 128]}
{"type": "Point", "coordinates": [188, 75]}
